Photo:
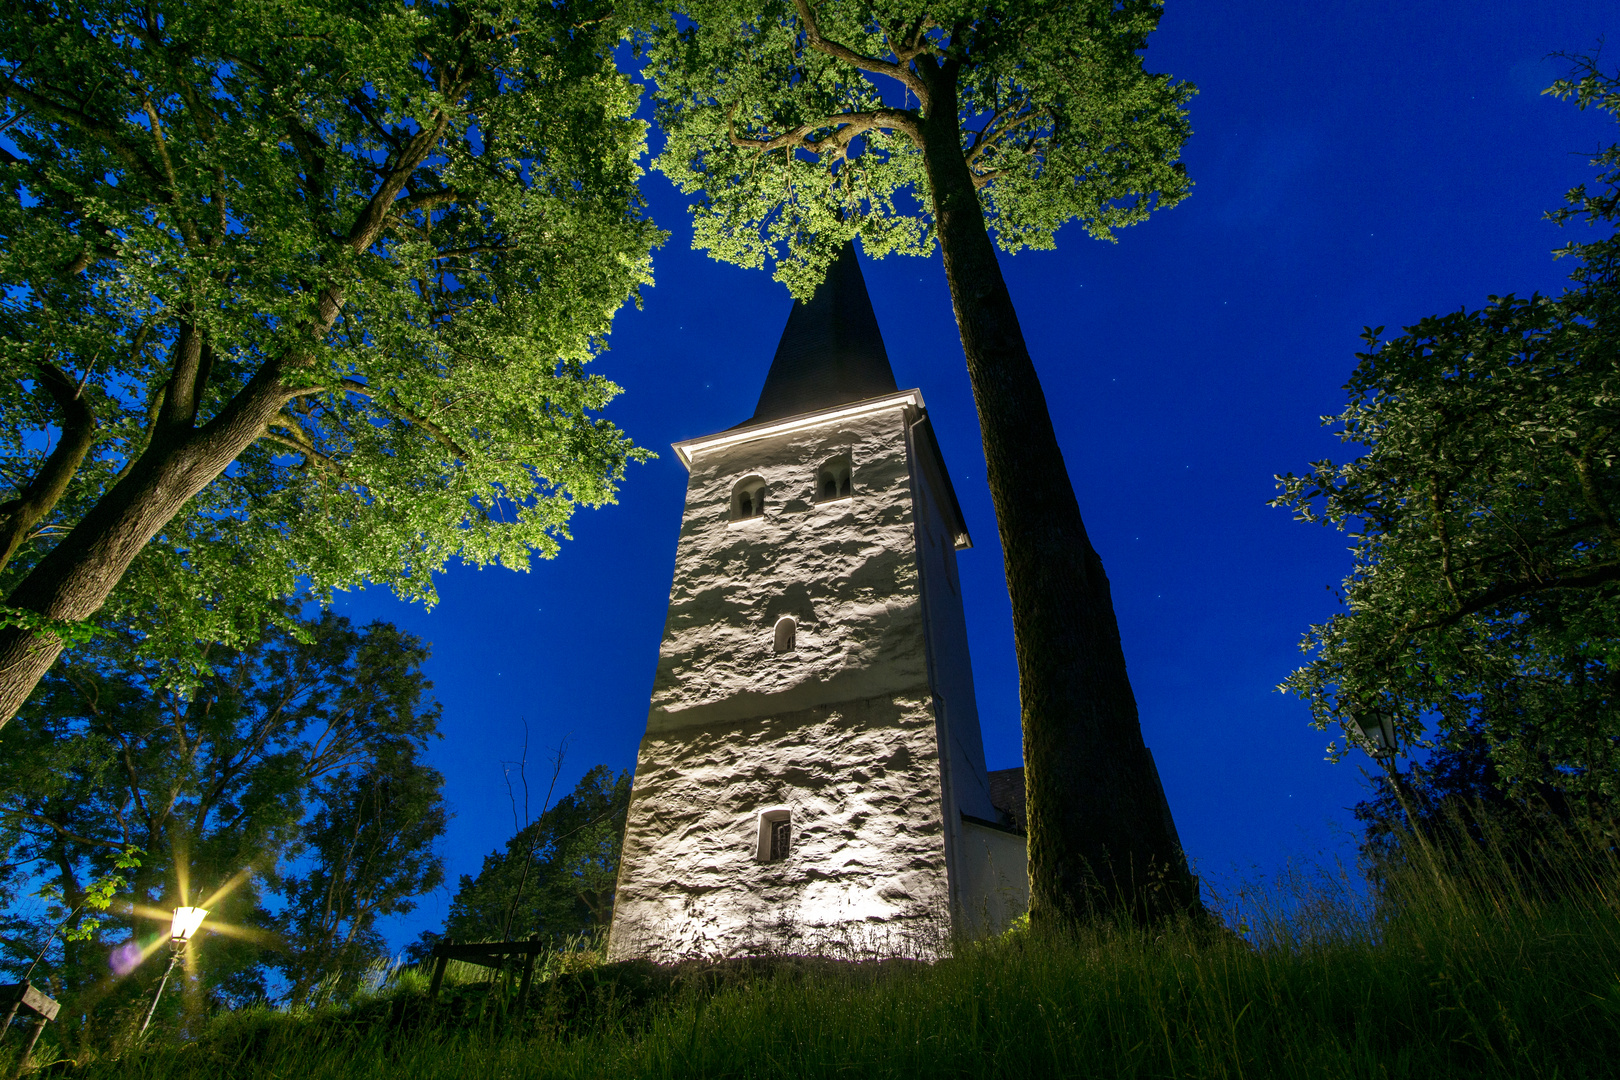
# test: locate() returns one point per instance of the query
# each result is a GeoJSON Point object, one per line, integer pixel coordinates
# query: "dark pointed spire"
{"type": "Point", "coordinates": [831, 352]}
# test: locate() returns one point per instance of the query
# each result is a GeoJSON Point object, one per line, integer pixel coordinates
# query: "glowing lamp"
{"type": "Point", "coordinates": [186, 922]}
{"type": "Point", "coordinates": [1377, 727]}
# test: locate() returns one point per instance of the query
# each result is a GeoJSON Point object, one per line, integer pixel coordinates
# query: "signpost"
{"type": "Point", "coordinates": [28, 999]}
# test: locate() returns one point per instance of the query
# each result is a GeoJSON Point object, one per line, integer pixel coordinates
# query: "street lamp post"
{"type": "Point", "coordinates": [1376, 724]}
{"type": "Point", "coordinates": [186, 922]}
{"type": "Point", "coordinates": [1377, 727]}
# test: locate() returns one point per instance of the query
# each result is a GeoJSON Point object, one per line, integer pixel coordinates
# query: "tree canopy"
{"type": "Point", "coordinates": [1484, 601]}
{"type": "Point", "coordinates": [800, 125]}
{"type": "Point", "coordinates": [300, 290]}
{"type": "Point", "coordinates": [554, 878]}
{"type": "Point", "coordinates": [286, 792]}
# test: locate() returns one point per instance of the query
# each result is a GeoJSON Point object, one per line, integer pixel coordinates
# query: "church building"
{"type": "Point", "coordinates": [813, 776]}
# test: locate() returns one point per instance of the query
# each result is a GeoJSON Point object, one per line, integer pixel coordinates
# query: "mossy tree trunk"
{"type": "Point", "coordinates": [1098, 833]}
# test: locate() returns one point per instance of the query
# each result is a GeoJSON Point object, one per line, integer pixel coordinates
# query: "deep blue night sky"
{"type": "Point", "coordinates": [1358, 164]}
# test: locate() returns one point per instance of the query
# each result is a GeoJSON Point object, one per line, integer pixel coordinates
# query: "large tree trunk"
{"type": "Point", "coordinates": [1099, 834]}
{"type": "Point", "coordinates": [75, 578]}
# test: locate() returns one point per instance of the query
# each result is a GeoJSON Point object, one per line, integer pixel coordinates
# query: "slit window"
{"type": "Point", "coordinates": [833, 479]}
{"type": "Point", "coordinates": [748, 498]}
{"type": "Point", "coordinates": [787, 631]}
{"type": "Point", "coordinates": [775, 840]}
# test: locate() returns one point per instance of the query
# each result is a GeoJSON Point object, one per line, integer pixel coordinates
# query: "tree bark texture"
{"type": "Point", "coordinates": [75, 577]}
{"type": "Point", "coordinates": [1099, 836]}
{"type": "Point", "coordinates": [19, 516]}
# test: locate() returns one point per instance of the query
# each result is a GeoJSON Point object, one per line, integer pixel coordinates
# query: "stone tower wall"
{"type": "Point", "coordinates": [841, 732]}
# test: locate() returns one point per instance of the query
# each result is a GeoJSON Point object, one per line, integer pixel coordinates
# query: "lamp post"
{"type": "Point", "coordinates": [1377, 727]}
{"type": "Point", "coordinates": [186, 922]}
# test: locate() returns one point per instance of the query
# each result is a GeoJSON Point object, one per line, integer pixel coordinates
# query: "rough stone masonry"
{"type": "Point", "coordinates": [812, 777]}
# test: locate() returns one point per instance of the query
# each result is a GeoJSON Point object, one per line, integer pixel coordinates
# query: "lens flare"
{"type": "Point", "coordinates": [125, 959]}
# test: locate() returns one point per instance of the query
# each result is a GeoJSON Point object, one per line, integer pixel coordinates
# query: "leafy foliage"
{"type": "Point", "coordinates": [368, 852]}
{"type": "Point", "coordinates": [793, 149]}
{"type": "Point", "coordinates": [1457, 803]}
{"type": "Point", "coordinates": [98, 895]}
{"type": "Point", "coordinates": [1485, 594]}
{"type": "Point", "coordinates": [555, 878]}
{"type": "Point", "coordinates": [289, 779]}
{"type": "Point", "coordinates": [335, 265]}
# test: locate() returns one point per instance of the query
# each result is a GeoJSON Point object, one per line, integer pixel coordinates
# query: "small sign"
{"type": "Point", "coordinates": [32, 1000]}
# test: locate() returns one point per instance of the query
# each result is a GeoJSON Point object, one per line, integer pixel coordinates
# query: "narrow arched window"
{"type": "Point", "coordinates": [748, 498]}
{"type": "Point", "coordinates": [786, 631]}
{"type": "Point", "coordinates": [833, 479]}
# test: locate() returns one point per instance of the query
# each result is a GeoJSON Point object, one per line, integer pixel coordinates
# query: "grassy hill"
{"type": "Point", "coordinates": [1453, 970]}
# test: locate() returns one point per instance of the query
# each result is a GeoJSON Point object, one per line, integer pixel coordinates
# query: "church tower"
{"type": "Point", "coordinates": [813, 774]}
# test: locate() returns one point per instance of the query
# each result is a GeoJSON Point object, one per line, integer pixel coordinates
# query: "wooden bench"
{"type": "Point", "coordinates": [492, 954]}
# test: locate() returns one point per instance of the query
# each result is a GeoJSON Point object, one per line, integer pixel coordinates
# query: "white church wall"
{"type": "Point", "coordinates": [865, 872]}
{"type": "Point", "coordinates": [835, 722]}
{"type": "Point", "coordinates": [994, 889]}
{"type": "Point", "coordinates": [845, 570]}
{"type": "Point", "coordinates": [839, 731]}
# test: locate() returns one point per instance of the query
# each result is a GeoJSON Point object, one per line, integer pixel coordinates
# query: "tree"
{"type": "Point", "coordinates": [802, 126]}
{"type": "Point", "coordinates": [289, 778]}
{"type": "Point", "coordinates": [555, 878]}
{"type": "Point", "coordinates": [1456, 802]}
{"type": "Point", "coordinates": [299, 290]}
{"type": "Point", "coordinates": [1484, 599]}
{"type": "Point", "coordinates": [370, 853]}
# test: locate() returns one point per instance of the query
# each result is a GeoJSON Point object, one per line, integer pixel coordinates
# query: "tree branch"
{"type": "Point", "coordinates": [1437, 507]}
{"type": "Point", "coordinates": [849, 125]}
{"type": "Point", "coordinates": [1589, 490]}
{"type": "Point", "coordinates": [122, 148]}
{"type": "Point", "coordinates": [183, 220]}
{"type": "Point", "coordinates": [182, 393]}
{"type": "Point", "coordinates": [387, 405]}
{"type": "Point", "coordinates": [1491, 597]}
{"type": "Point", "coordinates": [68, 834]}
{"type": "Point", "coordinates": [872, 65]}
{"type": "Point", "coordinates": [310, 453]}
{"type": "Point", "coordinates": [408, 203]}
{"type": "Point", "coordinates": [19, 516]}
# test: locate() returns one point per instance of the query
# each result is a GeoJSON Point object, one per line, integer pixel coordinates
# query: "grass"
{"type": "Point", "coordinates": [1457, 968]}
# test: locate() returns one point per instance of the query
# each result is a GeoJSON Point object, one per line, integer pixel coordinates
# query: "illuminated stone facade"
{"type": "Point", "coordinates": [812, 777]}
